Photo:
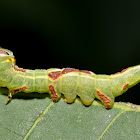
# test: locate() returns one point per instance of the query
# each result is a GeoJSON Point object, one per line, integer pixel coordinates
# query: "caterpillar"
{"type": "Point", "coordinates": [67, 81]}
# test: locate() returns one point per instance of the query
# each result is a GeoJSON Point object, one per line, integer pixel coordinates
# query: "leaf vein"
{"type": "Point", "coordinates": [107, 127]}
{"type": "Point", "coordinates": [38, 119]}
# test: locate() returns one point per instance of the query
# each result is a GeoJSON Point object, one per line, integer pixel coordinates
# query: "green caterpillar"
{"type": "Point", "coordinates": [68, 81]}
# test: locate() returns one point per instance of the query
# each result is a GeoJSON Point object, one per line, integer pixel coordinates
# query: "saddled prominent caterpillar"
{"type": "Point", "coordinates": [68, 81]}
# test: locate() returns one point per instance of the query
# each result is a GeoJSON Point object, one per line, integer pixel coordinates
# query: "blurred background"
{"type": "Point", "coordinates": [100, 36]}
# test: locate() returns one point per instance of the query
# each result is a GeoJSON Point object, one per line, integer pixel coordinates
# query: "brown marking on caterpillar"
{"type": "Point", "coordinates": [67, 70]}
{"type": "Point", "coordinates": [19, 89]}
{"type": "Point", "coordinates": [54, 94]}
{"type": "Point", "coordinates": [12, 59]}
{"type": "Point", "coordinates": [19, 69]}
{"type": "Point", "coordinates": [104, 98]}
{"type": "Point", "coordinates": [3, 52]}
{"type": "Point", "coordinates": [124, 70]}
{"type": "Point", "coordinates": [85, 71]}
{"type": "Point", "coordinates": [107, 106]}
{"type": "Point", "coordinates": [121, 71]}
{"type": "Point", "coordinates": [55, 75]}
{"type": "Point", "coordinates": [125, 86]}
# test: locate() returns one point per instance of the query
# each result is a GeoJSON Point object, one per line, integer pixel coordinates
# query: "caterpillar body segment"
{"type": "Point", "coordinates": [125, 79]}
{"type": "Point", "coordinates": [67, 81]}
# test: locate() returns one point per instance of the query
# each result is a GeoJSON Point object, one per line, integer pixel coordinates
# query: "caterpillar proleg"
{"type": "Point", "coordinates": [67, 81]}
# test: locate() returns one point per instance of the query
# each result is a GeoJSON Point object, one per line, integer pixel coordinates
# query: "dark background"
{"type": "Point", "coordinates": [100, 36]}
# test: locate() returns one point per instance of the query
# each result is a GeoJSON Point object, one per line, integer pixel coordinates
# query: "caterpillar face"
{"type": "Point", "coordinates": [7, 59]}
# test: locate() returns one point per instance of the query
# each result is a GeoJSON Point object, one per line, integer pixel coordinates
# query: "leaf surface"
{"type": "Point", "coordinates": [40, 118]}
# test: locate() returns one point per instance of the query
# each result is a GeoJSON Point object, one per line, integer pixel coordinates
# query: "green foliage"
{"type": "Point", "coordinates": [40, 118]}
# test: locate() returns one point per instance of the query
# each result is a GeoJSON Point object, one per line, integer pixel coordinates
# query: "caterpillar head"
{"type": "Point", "coordinates": [7, 59]}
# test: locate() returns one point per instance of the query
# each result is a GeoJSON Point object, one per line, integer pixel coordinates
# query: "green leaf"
{"type": "Point", "coordinates": [39, 118]}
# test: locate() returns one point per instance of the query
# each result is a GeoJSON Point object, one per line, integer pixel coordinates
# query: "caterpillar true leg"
{"type": "Point", "coordinates": [14, 91]}
{"type": "Point", "coordinates": [9, 98]}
